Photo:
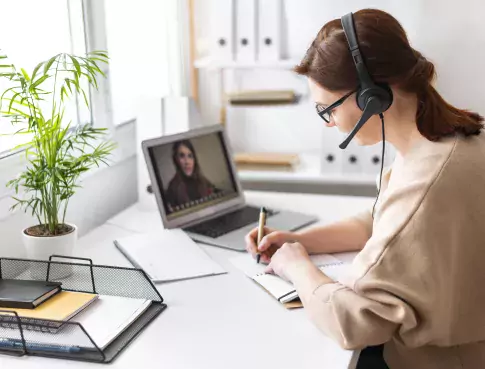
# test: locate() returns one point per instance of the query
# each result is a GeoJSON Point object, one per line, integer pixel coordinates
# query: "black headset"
{"type": "Point", "coordinates": [372, 98]}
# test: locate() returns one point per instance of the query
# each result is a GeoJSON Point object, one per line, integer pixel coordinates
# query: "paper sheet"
{"type": "Point", "coordinates": [104, 320]}
{"type": "Point", "coordinates": [168, 255]}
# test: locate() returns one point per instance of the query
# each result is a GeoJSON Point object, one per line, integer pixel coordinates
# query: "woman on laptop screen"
{"type": "Point", "coordinates": [188, 184]}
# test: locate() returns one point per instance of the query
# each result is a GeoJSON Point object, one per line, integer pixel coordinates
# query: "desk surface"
{"type": "Point", "coordinates": [224, 321]}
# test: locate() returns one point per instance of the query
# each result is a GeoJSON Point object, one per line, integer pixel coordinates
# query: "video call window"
{"type": "Point", "coordinates": [193, 174]}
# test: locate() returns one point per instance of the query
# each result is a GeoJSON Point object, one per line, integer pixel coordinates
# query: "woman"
{"type": "Point", "coordinates": [188, 183]}
{"type": "Point", "coordinates": [416, 285]}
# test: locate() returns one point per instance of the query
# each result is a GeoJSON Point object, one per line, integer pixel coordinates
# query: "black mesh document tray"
{"type": "Point", "coordinates": [68, 339]}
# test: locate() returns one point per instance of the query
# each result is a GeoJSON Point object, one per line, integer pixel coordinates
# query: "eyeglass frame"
{"type": "Point", "coordinates": [328, 109]}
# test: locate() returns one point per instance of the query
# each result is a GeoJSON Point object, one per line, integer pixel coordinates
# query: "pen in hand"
{"type": "Point", "coordinates": [262, 224]}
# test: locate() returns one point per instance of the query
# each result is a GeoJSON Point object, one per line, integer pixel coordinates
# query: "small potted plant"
{"type": "Point", "coordinates": [58, 152]}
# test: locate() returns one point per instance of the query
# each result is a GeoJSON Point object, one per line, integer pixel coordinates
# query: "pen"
{"type": "Point", "coordinates": [15, 343]}
{"type": "Point", "coordinates": [262, 223]}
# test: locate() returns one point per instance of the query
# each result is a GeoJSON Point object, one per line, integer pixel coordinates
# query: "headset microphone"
{"type": "Point", "coordinates": [371, 108]}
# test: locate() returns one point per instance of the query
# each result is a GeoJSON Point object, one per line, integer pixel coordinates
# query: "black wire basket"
{"type": "Point", "coordinates": [68, 339]}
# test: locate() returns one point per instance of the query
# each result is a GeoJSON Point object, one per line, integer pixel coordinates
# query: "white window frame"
{"type": "Point", "coordinates": [96, 39]}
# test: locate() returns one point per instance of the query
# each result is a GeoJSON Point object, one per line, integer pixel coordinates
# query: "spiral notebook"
{"type": "Point", "coordinates": [279, 288]}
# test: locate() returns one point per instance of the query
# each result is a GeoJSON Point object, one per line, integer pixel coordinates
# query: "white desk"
{"type": "Point", "coordinates": [224, 321]}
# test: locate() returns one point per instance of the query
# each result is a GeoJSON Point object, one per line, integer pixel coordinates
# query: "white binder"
{"type": "Point", "coordinates": [353, 159]}
{"type": "Point", "coordinates": [331, 161]}
{"type": "Point", "coordinates": [372, 159]}
{"type": "Point", "coordinates": [331, 154]}
{"type": "Point", "coordinates": [222, 29]}
{"type": "Point", "coordinates": [270, 16]}
{"type": "Point", "coordinates": [246, 30]}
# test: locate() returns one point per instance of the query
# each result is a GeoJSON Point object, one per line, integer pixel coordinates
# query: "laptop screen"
{"type": "Point", "coordinates": [193, 174]}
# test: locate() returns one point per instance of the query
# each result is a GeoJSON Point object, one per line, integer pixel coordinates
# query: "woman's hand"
{"type": "Point", "coordinates": [271, 242]}
{"type": "Point", "coordinates": [289, 260]}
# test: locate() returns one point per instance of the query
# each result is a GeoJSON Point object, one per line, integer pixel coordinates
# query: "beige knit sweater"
{"type": "Point", "coordinates": [419, 282]}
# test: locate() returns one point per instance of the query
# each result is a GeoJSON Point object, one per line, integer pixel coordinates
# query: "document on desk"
{"type": "Point", "coordinates": [108, 317]}
{"type": "Point", "coordinates": [168, 255]}
{"type": "Point", "coordinates": [104, 320]}
{"type": "Point", "coordinates": [279, 288]}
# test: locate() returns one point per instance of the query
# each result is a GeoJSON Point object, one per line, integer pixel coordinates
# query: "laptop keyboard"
{"type": "Point", "coordinates": [228, 222]}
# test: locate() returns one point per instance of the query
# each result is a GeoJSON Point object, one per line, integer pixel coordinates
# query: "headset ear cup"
{"type": "Point", "coordinates": [381, 92]}
{"type": "Point", "coordinates": [361, 99]}
{"type": "Point", "coordinates": [387, 96]}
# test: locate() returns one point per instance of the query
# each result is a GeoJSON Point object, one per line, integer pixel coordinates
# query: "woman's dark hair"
{"type": "Point", "coordinates": [175, 149]}
{"type": "Point", "coordinates": [389, 58]}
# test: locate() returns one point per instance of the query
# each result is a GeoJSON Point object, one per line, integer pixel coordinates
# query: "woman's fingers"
{"type": "Point", "coordinates": [273, 238]}
{"type": "Point", "coordinates": [250, 240]}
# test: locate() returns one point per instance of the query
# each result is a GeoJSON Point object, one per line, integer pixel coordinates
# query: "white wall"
{"type": "Point", "coordinates": [147, 54]}
{"type": "Point", "coordinates": [449, 33]}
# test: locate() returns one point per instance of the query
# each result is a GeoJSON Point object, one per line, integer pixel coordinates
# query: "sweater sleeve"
{"type": "Point", "coordinates": [365, 218]}
{"type": "Point", "coordinates": [357, 320]}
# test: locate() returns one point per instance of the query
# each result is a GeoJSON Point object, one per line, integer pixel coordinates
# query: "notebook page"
{"type": "Point", "coordinates": [285, 291]}
{"type": "Point", "coordinates": [335, 271]}
{"type": "Point", "coordinates": [249, 266]}
{"type": "Point", "coordinates": [278, 287]}
{"type": "Point", "coordinates": [321, 260]}
{"type": "Point", "coordinates": [108, 317]}
{"type": "Point", "coordinates": [168, 255]}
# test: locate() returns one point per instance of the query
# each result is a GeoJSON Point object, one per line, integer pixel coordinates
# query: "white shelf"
{"type": "Point", "coordinates": [301, 99]}
{"type": "Point", "coordinates": [210, 63]}
{"type": "Point", "coordinates": [307, 178]}
{"type": "Point", "coordinates": [308, 172]}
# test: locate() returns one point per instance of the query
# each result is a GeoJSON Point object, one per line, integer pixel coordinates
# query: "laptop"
{"type": "Point", "coordinates": [194, 180]}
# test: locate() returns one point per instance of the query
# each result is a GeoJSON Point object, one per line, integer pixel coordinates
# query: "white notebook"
{"type": "Point", "coordinates": [109, 316]}
{"type": "Point", "coordinates": [280, 289]}
{"type": "Point", "coordinates": [167, 255]}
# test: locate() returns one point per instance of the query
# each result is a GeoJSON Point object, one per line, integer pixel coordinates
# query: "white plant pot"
{"type": "Point", "coordinates": [41, 248]}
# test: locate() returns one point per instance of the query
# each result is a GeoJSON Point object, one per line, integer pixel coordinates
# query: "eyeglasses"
{"type": "Point", "coordinates": [325, 113]}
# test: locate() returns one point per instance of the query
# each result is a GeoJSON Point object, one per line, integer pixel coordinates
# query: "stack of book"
{"type": "Point", "coordinates": [266, 161]}
{"type": "Point", "coordinates": [20, 294]}
{"type": "Point", "coordinates": [103, 317]}
{"type": "Point", "coordinates": [262, 97]}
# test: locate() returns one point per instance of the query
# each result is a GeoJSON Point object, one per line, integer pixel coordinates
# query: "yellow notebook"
{"type": "Point", "coordinates": [62, 306]}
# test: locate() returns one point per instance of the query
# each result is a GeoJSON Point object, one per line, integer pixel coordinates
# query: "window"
{"type": "Point", "coordinates": [32, 31]}
{"type": "Point", "coordinates": [122, 35]}
{"type": "Point", "coordinates": [145, 45]}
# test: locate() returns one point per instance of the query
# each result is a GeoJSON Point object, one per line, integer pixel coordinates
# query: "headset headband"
{"type": "Point", "coordinates": [362, 73]}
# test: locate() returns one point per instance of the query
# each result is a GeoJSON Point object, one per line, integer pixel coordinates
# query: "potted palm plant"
{"type": "Point", "coordinates": [58, 151]}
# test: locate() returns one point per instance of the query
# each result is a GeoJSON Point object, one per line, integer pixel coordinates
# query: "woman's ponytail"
{"type": "Point", "coordinates": [435, 117]}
